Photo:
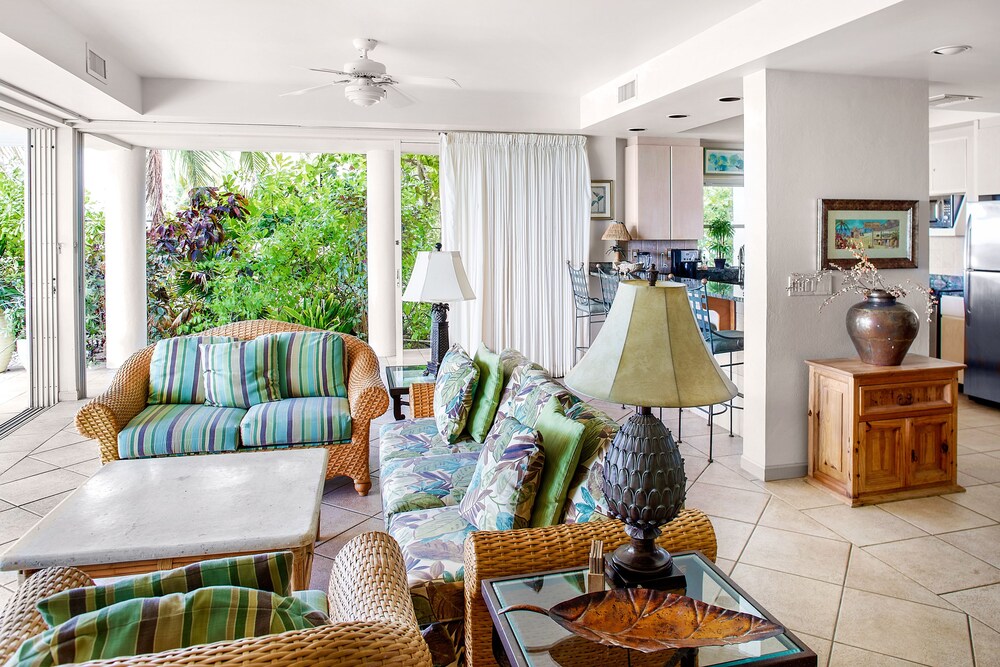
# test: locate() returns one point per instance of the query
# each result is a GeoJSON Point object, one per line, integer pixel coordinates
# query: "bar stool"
{"type": "Point", "coordinates": [609, 287]}
{"type": "Point", "coordinates": [587, 307]}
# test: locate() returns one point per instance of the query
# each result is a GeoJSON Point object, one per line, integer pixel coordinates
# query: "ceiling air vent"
{"type": "Point", "coordinates": [948, 99]}
{"type": "Point", "coordinates": [97, 66]}
{"type": "Point", "coordinates": [626, 91]}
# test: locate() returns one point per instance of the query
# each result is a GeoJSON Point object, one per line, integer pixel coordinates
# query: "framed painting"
{"type": "Point", "coordinates": [885, 228]}
{"type": "Point", "coordinates": [725, 161]}
{"type": "Point", "coordinates": [602, 200]}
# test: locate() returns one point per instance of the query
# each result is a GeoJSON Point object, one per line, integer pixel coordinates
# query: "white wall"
{"type": "Point", "coordinates": [607, 163]}
{"type": "Point", "coordinates": [947, 255]}
{"type": "Point", "coordinates": [808, 137]}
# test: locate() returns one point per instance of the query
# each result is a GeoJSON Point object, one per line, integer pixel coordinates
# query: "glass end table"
{"type": "Point", "coordinates": [525, 639]}
{"type": "Point", "coordinates": [399, 379]}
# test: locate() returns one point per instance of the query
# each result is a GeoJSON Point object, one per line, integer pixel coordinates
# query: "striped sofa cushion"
{"type": "Point", "coordinates": [160, 430]}
{"type": "Point", "coordinates": [240, 374]}
{"type": "Point", "coordinates": [177, 620]}
{"type": "Point", "coordinates": [310, 364]}
{"type": "Point", "coordinates": [175, 370]}
{"type": "Point", "coordinates": [297, 421]}
{"type": "Point", "coordinates": [267, 572]}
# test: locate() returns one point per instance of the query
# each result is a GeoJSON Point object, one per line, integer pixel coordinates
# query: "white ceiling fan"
{"type": "Point", "coordinates": [368, 83]}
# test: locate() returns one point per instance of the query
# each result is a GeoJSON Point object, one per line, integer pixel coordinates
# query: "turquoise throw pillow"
{"type": "Point", "coordinates": [311, 364]}
{"type": "Point", "coordinates": [175, 370]}
{"type": "Point", "coordinates": [241, 374]}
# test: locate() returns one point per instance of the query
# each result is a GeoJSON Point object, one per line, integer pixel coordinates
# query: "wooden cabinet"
{"type": "Point", "coordinates": [949, 165]}
{"type": "Point", "coordinates": [664, 194]}
{"type": "Point", "coordinates": [987, 158]}
{"type": "Point", "coordinates": [880, 433]}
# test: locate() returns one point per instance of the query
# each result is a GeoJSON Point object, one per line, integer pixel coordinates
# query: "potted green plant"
{"type": "Point", "coordinates": [719, 225]}
{"type": "Point", "coordinates": [11, 307]}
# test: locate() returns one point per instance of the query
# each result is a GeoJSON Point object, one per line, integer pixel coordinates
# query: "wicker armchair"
{"type": "Point", "coordinates": [105, 416]}
{"type": "Point", "coordinates": [371, 614]}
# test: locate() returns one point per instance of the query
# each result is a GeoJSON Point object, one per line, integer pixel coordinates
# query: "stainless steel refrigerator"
{"type": "Point", "coordinates": [982, 301]}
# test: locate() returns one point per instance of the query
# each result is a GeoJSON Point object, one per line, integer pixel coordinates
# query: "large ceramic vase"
{"type": "Point", "coordinates": [881, 329]}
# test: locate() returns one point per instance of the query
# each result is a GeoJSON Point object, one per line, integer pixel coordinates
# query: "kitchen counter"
{"type": "Point", "coordinates": [718, 285]}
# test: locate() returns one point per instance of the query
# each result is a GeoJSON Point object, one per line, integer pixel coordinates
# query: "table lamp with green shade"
{"type": "Point", "coordinates": [649, 353]}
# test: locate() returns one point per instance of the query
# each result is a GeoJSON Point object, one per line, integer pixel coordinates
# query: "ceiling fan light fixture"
{"type": "Point", "coordinates": [364, 94]}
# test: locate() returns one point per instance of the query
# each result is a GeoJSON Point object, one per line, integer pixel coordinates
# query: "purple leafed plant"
{"type": "Point", "coordinates": [198, 232]}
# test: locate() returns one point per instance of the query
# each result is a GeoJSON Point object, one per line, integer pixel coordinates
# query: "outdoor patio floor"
{"type": "Point", "coordinates": [911, 582]}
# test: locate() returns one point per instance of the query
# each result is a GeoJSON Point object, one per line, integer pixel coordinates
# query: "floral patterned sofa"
{"type": "Point", "coordinates": [424, 478]}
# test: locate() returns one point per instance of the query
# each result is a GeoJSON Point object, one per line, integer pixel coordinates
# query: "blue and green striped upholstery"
{"type": "Point", "coordinates": [160, 430]}
{"type": "Point", "coordinates": [267, 572]}
{"type": "Point", "coordinates": [297, 421]}
{"type": "Point", "coordinates": [311, 363]}
{"type": "Point", "coordinates": [177, 620]}
{"type": "Point", "coordinates": [175, 370]}
{"type": "Point", "coordinates": [240, 374]}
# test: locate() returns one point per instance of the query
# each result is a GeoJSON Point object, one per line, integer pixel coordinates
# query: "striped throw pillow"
{"type": "Point", "coordinates": [311, 364]}
{"type": "Point", "coordinates": [241, 374]}
{"type": "Point", "coordinates": [175, 370]}
{"type": "Point", "coordinates": [267, 572]}
{"type": "Point", "coordinates": [177, 620]}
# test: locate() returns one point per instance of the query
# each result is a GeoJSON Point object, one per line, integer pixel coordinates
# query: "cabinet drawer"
{"type": "Point", "coordinates": [878, 400]}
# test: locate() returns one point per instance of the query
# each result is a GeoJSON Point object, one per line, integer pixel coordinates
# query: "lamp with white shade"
{"type": "Point", "coordinates": [438, 278]}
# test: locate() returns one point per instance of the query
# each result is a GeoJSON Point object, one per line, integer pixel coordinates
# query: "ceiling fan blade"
{"type": "Point", "coordinates": [329, 71]}
{"type": "Point", "coordinates": [310, 89]}
{"type": "Point", "coordinates": [446, 82]}
{"type": "Point", "coordinates": [397, 98]}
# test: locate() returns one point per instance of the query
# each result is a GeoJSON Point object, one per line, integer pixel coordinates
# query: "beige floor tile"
{"type": "Point", "coordinates": [904, 629]}
{"type": "Point", "coordinates": [983, 499]}
{"type": "Point", "coordinates": [978, 439]}
{"type": "Point", "coordinates": [864, 525]}
{"type": "Point", "coordinates": [725, 565]}
{"type": "Point", "coordinates": [800, 494]}
{"type": "Point", "coordinates": [720, 501]}
{"type": "Point", "coordinates": [347, 498]}
{"type": "Point", "coordinates": [7, 459]}
{"type": "Point", "coordinates": [86, 468]}
{"type": "Point", "coordinates": [981, 603]}
{"type": "Point", "coordinates": [8, 578]}
{"type": "Point", "coordinates": [26, 467]}
{"type": "Point", "coordinates": [978, 418]}
{"type": "Point", "coordinates": [332, 547]}
{"type": "Point", "coordinates": [5, 596]}
{"type": "Point", "coordinates": [333, 521]}
{"type": "Point", "coordinates": [821, 647]}
{"type": "Point", "coordinates": [28, 490]}
{"type": "Point", "coordinates": [61, 439]}
{"type": "Point", "coordinates": [935, 565]}
{"type": "Point", "coordinates": [800, 604]}
{"type": "Point", "coordinates": [43, 506]}
{"type": "Point", "coordinates": [843, 655]}
{"type": "Point", "coordinates": [720, 475]}
{"type": "Point", "coordinates": [968, 480]}
{"type": "Point", "coordinates": [320, 577]}
{"type": "Point", "coordinates": [981, 466]}
{"type": "Point", "coordinates": [795, 553]}
{"type": "Point", "coordinates": [867, 573]}
{"type": "Point", "coordinates": [983, 543]}
{"type": "Point", "coordinates": [14, 523]}
{"type": "Point", "coordinates": [985, 644]}
{"type": "Point", "coordinates": [16, 442]}
{"type": "Point", "coordinates": [735, 463]}
{"type": "Point", "coordinates": [731, 536]}
{"type": "Point", "coordinates": [779, 514]}
{"type": "Point", "coordinates": [722, 444]}
{"type": "Point", "coordinates": [79, 452]}
{"type": "Point", "coordinates": [694, 466]}
{"type": "Point", "coordinates": [936, 515]}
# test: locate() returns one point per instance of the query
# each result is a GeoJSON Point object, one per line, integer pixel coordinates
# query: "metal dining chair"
{"type": "Point", "coordinates": [587, 307]}
{"type": "Point", "coordinates": [609, 287]}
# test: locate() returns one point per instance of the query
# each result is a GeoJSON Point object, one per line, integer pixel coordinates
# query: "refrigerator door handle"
{"type": "Point", "coordinates": [967, 297]}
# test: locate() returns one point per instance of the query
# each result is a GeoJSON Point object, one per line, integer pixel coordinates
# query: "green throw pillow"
{"type": "Point", "coordinates": [453, 391]}
{"type": "Point", "coordinates": [175, 371]}
{"type": "Point", "coordinates": [177, 620]}
{"type": "Point", "coordinates": [311, 364]}
{"type": "Point", "coordinates": [241, 374]}
{"type": "Point", "coordinates": [562, 440]}
{"type": "Point", "coordinates": [268, 572]}
{"type": "Point", "coordinates": [487, 398]}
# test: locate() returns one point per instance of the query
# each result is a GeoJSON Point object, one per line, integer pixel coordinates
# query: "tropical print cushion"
{"type": "Point", "coordinates": [175, 370]}
{"type": "Point", "coordinates": [425, 482]}
{"type": "Point", "coordinates": [511, 360]}
{"type": "Point", "coordinates": [453, 391]}
{"type": "Point", "coordinates": [433, 546]}
{"type": "Point", "coordinates": [297, 421]}
{"type": "Point", "coordinates": [487, 398]}
{"type": "Point", "coordinates": [413, 438]}
{"type": "Point", "coordinates": [311, 363]}
{"type": "Point", "coordinates": [267, 572]}
{"type": "Point", "coordinates": [562, 439]}
{"type": "Point", "coordinates": [176, 620]}
{"type": "Point", "coordinates": [503, 487]}
{"type": "Point", "coordinates": [162, 430]}
{"type": "Point", "coordinates": [585, 500]}
{"type": "Point", "coordinates": [240, 374]}
{"type": "Point", "coordinates": [529, 392]}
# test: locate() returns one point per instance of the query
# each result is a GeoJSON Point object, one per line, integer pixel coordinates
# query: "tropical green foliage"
{"type": "Point", "coordinates": [94, 311]}
{"type": "Point", "coordinates": [718, 241]}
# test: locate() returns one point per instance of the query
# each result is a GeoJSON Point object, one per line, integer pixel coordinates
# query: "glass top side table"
{"type": "Point", "coordinates": [399, 379]}
{"type": "Point", "coordinates": [530, 640]}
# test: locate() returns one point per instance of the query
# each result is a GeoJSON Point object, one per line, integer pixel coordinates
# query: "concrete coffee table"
{"type": "Point", "coordinates": [143, 515]}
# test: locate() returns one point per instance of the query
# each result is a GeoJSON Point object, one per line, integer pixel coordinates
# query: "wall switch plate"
{"type": "Point", "coordinates": [806, 284]}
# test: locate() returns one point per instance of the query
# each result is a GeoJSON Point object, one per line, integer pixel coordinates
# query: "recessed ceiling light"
{"type": "Point", "coordinates": [678, 115]}
{"type": "Point", "coordinates": [951, 50]}
{"type": "Point", "coordinates": [637, 129]}
{"type": "Point", "coordinates": [730, 99]}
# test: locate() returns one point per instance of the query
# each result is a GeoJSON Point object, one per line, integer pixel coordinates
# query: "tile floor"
{"type": "Point", "coordinates": [911, 582]}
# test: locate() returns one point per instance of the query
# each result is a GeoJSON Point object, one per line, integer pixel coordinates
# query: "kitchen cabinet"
{"type": "Point", "coordinates": [879, 433]}
{"type": "Point", "coordinates": [988, 159]}
{"type": "Point", "coordinates": [949, 165]}
{"type": "Point", "coordinates": [664, 192]}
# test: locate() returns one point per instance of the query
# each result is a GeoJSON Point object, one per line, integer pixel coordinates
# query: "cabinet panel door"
{"type": "Point", "coordinates": [882, 466]}
{"type": "Point", "coordinates": [832, 428]}
{"type": "Point", "coordinates": [932, 450]}
{"type": "Point", "coordinates": [687, 193]}
{"type": "Point", "coordinates": [647, 191]}
{"type": "Point", "coordinates": [988, 160]}
{"type": "Point", "coordinates": [948, 166]}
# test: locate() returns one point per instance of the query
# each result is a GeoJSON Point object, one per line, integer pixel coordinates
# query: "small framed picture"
{"type": "Point", "coordinates": [602, 200]}
{"type": "Point", "coordinates": [885, 228]}
{"type": "Point", "coordinates": [726, 161]}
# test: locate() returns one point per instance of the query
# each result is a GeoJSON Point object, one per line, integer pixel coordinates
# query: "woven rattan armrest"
{"type": "Point", "coordinates": [422, 399]}
{"type": "Point", "coordinates": [490, 554]}
{"type": "Point", "coordinates": [19, 619]}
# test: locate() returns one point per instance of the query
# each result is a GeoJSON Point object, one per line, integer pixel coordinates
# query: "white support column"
{"type": "Point", "coordinates": [383, 276]}
{"type": "Point", "coordinates": [68, 353]}
{"type": "Point", "coordinates": [809, 137]}
{"type": "Point", "coordinates": [125, 255]}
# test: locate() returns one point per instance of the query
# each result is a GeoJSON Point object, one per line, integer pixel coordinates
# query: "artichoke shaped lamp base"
{"type": "Point", "coordinates": [621, 573]}
{"type": "Point", "coordinates": [439, 337]}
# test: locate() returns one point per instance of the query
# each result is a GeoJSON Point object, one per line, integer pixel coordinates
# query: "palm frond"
{"type": "Point", "coordinates": [198, 169]}
{"type": "Point", "coordinates": [154, 186]}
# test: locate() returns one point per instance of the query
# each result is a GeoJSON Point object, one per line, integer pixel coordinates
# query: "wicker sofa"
{"type": "Point", "coordinates": [104, 417]}
{"type": "Point", "coordinates": [423, 479]}
{"type": "Point", "coordinates": [371, 619]}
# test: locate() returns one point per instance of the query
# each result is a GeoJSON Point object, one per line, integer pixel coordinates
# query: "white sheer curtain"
{"type": "Point", "coordinates": [517, 206]}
